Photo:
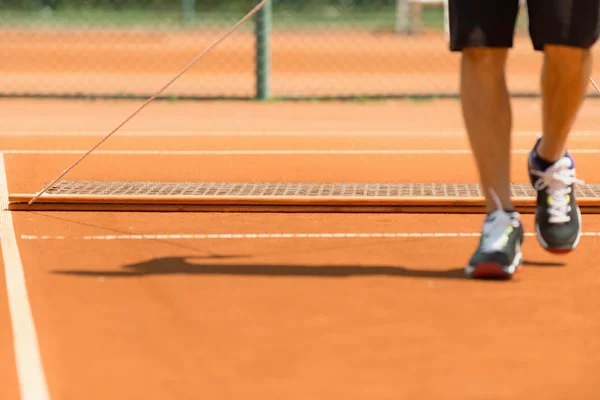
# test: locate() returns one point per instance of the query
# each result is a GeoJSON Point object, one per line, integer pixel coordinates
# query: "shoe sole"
{"type": "Point", "coordinates": [494, 270]}
{"type": "Point", "coordinates": [559, 250]}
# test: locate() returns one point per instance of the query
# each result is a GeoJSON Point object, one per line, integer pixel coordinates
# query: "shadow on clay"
{"type": "Point", "coordinates": [207, 265]}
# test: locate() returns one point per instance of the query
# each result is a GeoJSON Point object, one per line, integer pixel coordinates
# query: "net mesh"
{"type": "Point", "coordinates": [289, 189]}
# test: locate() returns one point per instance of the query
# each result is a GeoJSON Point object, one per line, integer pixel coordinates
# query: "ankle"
{"type": "Point", "coordinates": [548, 154]}
{"type": "Point", "coordinates": [542, 162]}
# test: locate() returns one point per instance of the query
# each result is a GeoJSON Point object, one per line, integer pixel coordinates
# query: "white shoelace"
{"type": "Point", "coordinates": [556, 180]}
{"type": "Point", "coordinates": [498, 227]}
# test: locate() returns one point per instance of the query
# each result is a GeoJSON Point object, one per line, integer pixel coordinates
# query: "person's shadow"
{"type": "Point", "coordinates": [209, 265]}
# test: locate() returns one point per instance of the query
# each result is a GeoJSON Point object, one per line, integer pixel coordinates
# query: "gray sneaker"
{"type": "Point", "coordinates": [557, 215]}
{"type": "Point", "coordinates": [499, 252]}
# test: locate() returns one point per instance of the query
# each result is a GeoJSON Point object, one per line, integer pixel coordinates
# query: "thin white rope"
{"type": "Point", "coordinates": [594, 83]}
{"type": "Point", "coordinates": [194, 61]}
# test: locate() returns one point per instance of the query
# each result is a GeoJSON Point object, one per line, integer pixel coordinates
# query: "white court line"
{"type": "Point", "coordinates": [201, 133]}
{"type": "Point", "coordinates": [272, 152]}
{"type": "Point", "coordinates": [32, 381]}
{"type": "Point", "coordinates": [253, 236]}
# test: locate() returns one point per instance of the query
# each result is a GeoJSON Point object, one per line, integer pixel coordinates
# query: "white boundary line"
{"type": "Point", "coordinates": [30, 371]}
{"type": "Point", "coordinates": [246, 236]}
{"type": "Point", "coordinates": [272, 152]}
{"type": "Point", "coordinates": [201, 133]}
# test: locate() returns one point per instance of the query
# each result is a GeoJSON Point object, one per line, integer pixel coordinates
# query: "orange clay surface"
{"type": "Point", "coordinates": [294, 318]}
{"type": "Point", "coordinates": [315, 63]}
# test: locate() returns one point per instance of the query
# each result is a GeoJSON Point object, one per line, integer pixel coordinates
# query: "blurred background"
{"type": "Point", "coordinates": [292, 49]}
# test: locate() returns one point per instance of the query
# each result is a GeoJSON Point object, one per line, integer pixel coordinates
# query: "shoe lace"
{"type": "Point", "coordinates": [557, 181]}
{"type": "Point", "coordinates": [498, 227]}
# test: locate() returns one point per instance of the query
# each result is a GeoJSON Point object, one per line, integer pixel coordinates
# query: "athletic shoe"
{"type": "Point", "coordinates": [499, 252]}
{"type": "Point", "coordinates": [557, 215]}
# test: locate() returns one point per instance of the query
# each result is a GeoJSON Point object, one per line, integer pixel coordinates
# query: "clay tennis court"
{"type": "Point", "coordinates": [304, 63]}
{"type": "Point", "coordinates": [251, 305]}
{"type": "Point", "coordinates": [126, 305]}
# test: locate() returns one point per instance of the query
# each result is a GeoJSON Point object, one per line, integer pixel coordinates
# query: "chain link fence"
{"type": "Point", "coordinates": [308, 48]}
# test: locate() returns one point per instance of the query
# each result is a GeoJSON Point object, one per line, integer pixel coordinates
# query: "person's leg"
{"type": "Point", "coordinates": [564, 81]}
{"type": "Point", "coordinates": [564, 30]}
{"type": "Point", "coordinates": [483, 31]}
{"type": "Point", "coordinates": [488, 119]}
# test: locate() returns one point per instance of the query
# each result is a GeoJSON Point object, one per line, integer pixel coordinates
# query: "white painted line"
{"type": "Point", "coordinates": [201, 133]}
{"type": "Point", "coordinates": [254, 236]}
{"type": "Point", "coordinates": [272, 152]}
{"type": "Point", "coordinates": [32, 381]}
{"type": "Point", "coordinates": [239, 152]}
{"type": "Point", "coordinates": [235, 152]}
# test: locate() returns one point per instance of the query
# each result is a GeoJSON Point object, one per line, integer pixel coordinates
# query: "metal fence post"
{"type": "Point", "coordinates": [188, 10]}
{"type": "Point", "coordinates": [403, 17]}
{"type": "Point", "coordinates": [263, 51]}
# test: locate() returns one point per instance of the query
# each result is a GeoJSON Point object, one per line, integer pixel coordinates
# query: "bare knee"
{"type": "Point", "coordinates": [486, 61]}
{"type": "Point", "coordinates": [565, 60]}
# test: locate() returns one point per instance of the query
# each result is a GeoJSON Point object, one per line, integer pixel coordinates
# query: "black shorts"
{"type": "Point", "coordinates": [491, 23]}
